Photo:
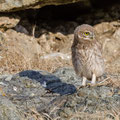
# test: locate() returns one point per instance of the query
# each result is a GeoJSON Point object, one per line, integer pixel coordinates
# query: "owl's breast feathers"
{"type": "Point", "coordinates": [87, 59]}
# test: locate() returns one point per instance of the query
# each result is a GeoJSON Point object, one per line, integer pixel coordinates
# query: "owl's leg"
{"type": "Point", "coordinates": [84, 81]}
{"type": "Point", "coordinates": [93, 82]}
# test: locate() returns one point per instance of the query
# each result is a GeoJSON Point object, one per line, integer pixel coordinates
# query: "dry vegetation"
{"type": "Point", "coordinates": [17, 55]}
{"type": "Point", "coordinates": [114, 114]}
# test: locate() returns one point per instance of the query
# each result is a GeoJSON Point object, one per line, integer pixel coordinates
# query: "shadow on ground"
{"type": "Point", "coordinates": [49, 81]}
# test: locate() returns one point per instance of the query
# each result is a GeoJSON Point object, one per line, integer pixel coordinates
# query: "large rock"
{"type": "Point", "coordinates": [13, 5]}
{"type": "Point", "coordinates": [30, 90]}
{"type": "Point", "coordinates": [39, 94]}
{"type": "Point", "coordinates": [109, 34]}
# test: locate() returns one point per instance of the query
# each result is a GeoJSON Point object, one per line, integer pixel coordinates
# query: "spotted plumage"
{"type": "Point", "coordinates": [86, 54]}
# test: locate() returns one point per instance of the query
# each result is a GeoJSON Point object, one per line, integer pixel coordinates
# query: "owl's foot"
{"type": "Point", "coordinates": [84, 81]}
{"type": "Point", "coordinates": [99, 83]}
{"type": "Point", "coordinates": [93, 82]}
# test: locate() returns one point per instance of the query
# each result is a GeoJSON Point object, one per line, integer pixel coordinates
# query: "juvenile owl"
{"type": "Point", "coordinates": [86, 54]}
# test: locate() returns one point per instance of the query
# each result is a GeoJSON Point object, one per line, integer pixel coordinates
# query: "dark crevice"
{"type": "Point", "coordinates": [49, 17]}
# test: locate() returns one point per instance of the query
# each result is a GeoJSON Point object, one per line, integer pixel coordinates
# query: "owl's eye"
{"type": "Point", "coordinates": [86, 33]}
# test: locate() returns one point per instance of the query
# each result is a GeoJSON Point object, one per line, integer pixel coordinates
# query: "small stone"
{"type": "Point", "coordinates": [32, 95]}
{"type": "Point", "coordinates": [7, 22]}
{"type": "Point", "coordinates": [15, 88]}
{"type": "Point", "coordinates": [20, 28]}
{"type": "Point", "coordinates": [2, 83]}
{"type": "Point", "coordinates": [8, 78]}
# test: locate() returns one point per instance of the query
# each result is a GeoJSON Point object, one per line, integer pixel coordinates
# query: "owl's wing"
{"type": "Point", "coordinates": [99, 46]}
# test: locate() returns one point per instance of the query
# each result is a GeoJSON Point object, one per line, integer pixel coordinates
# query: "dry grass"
{"type": "Point", "coordinates": [96, 116]}
{"type": "Point", "coordinates": [14, 62]}
{"type": "Point", "coordinates": [21, 52]}
{"type": "Point", "coordinates": [114, 81]}
{"type": "Point", "coordinates": [114, 114]}
{"type": "Point", "coordinates": [38, 116]}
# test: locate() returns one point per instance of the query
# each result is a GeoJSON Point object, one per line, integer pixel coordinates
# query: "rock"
{"type": "Point", "coordinates": [2, 41]}
{"type": "Point", "coordinates": [20, 28]}
{"type": "Point", "coordinates": [28, 89]}
{"type": "Point", "coordinates": [13, 5]}
{"type": "Point", "coordinates": [116, 35]}
{"type": "Point", "coordinates": [93, 102]}
{"type": "Point", "coordinates": [42, 94]}
{"type": "Point", "coordinates": [1, 37]}
{"type": "Point", "coordinates": [8, 110]}
{"type": "Point", "coordinates": [24, 44]}
{"type": "Point", "coordinates": [9, 77]}
{"type": "Point", "coordinates": [68, 75]}
{"type": "Point", "coordinates": [7, 22]}
{"type": "Point", "coordinates": [108, 33]}
{"type": "Point", "coordinates": [104, 27]}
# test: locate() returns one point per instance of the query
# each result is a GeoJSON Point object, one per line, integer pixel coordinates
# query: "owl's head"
{"type": "Point", "coordinates": [84, 33]}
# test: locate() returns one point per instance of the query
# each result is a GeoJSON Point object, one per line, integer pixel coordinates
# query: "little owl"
{"type": "Point", "coordinates": [86, 54]}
